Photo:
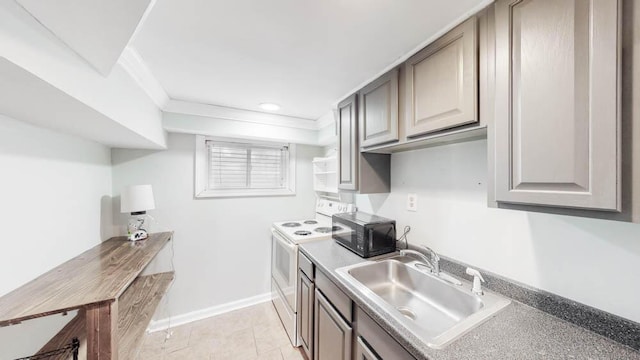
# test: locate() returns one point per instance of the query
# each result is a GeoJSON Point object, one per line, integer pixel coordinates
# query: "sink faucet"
{"type": "Point", "coordinates": [433, 263]}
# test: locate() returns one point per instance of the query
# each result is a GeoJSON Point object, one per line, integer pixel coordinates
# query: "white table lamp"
{"type": "Point", "coordinates": [136, 200]}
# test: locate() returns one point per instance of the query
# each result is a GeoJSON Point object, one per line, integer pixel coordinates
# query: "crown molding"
{"type": "Point", "coordinates": [327, 119]}
{"type": "Point", "coordinates": [228, 113]}
{"type": "Point", "coordinates": [133, 64]}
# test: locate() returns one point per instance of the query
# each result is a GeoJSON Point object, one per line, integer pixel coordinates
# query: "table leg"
{"type": "Point", "coordinates": [102, 324]}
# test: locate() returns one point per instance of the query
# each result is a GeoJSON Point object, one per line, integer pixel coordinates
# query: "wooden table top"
{"type": "Point", "coordinates": [100, 274]}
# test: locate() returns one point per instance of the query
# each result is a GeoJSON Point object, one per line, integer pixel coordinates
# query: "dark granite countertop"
{"type": "Point", "coordinates": [517, 332]}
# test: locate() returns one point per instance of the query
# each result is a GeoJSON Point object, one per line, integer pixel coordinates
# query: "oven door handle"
{"type": "Point", "coordinates": [284, 242]}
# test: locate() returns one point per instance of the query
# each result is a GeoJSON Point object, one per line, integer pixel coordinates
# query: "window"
{"type": "Point", "coordinates": [228, 168]}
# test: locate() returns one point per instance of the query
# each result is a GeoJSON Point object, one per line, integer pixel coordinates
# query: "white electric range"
{"type": "Point", "coordinates": [285, 237]}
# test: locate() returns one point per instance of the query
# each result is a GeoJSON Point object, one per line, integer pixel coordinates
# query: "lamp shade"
{"type": "Point", "coordinates": [137, 198]}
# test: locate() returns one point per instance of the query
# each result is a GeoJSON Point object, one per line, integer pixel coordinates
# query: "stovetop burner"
{"type": "Point", "coordinates": [302, 232]}
{"type": "Point", "coordinates": [311, 222]}
{"type": "Point", "coordinates": [291, 224]}
{"type": "Point", "coordinates": [326, 229]}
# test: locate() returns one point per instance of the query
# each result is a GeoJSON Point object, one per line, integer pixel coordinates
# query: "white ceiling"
{"type": "Point", "coordinates": [97, 30]}
{"type": "Point", "coordinates": [301, 54]}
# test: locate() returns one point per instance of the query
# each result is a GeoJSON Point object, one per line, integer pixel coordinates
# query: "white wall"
{"type": "Point", "coordinates": [54, 204]}
{"type": "Point", "coordinates": [222, 246]}
{"type": "Point", "coordinates": [591, 261]}
{"type": "Point", "coordinates": [327, 130]}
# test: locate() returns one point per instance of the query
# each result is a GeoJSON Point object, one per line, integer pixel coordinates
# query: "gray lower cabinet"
{"type": "Point", "coordinates": [557, 103]}
{"type": "Point", "coordinates": [374, 343]}
{"type": "Point", "coordinates": [332, 334]}
{"type": "Point", "coordinates": [340, 330]}
{"type": "Point", "coordinates": [363, 352]}
{"type": "Point", "coordinates": [442, 82]}
{"type": "Point", "coordinates": [378, 118]}
{"type": "Point", "coordinates": [306, 295]}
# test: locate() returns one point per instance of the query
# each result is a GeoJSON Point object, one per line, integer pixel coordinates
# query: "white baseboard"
{"type": "Point", "coordinates": [178, 320]}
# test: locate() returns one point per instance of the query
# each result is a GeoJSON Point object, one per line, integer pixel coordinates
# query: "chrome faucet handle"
{"type": "Point", "coordinates": [435, 258]}
{"type": "Point", "coordinates": [421, 256]}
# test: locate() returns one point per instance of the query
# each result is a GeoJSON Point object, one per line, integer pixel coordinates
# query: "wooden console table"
{"type": "Point", "coordinates": [114, 303]}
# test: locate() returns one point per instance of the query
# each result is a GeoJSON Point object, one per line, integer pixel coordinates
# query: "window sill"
{"type": "Point", "coordinates": [243, 193]}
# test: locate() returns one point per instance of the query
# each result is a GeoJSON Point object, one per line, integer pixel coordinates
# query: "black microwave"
{"type": "Point", "coordinates": [365, 234]}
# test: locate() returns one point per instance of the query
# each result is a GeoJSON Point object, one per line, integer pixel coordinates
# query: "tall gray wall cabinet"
{"type": "Point", "coordinates": [348, 149]}
{"type": "Point", "coordinates": [557, 103]}
{"type": "Point", "coordinates": [362, 172]}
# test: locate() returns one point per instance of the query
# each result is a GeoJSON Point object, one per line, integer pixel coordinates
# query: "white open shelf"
{"type": "Point", "coordinates": [325, 174]}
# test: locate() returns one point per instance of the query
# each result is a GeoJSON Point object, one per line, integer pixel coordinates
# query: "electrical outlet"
{"type": "Point", "coordinates": [412, 202]}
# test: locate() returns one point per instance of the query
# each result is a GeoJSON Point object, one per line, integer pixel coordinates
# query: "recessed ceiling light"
{"type": "Point", "coordinates": [269, 107]}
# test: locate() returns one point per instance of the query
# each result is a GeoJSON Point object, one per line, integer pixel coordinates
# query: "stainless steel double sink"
{"type": "Point", "coordinates": [433, 309]}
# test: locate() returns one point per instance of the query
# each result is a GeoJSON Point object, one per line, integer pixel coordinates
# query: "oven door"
{"type": "Point", "coordinates": [284, 264]}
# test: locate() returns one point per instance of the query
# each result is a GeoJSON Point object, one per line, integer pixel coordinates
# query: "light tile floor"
{"type": "Point", "coordinates": [251, 333]}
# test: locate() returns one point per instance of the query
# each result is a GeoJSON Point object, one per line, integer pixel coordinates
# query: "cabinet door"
{"type": "Point", "coordinates": [557, 120]}
{"type": "Point", "coordinates": [442, 82]}
{"type": "Point", "coordinates": [376, 343]}
{"type": "Point", "coordinates": [378, 103]}
{"type": "Point", "coordinates": [305, 313]}
{"type": "Point", "coordinates": [332, 335]}
{"type": "Point", "coordinates": [363, 352]}
{"type": "Point", "coordinates": [348, 151]}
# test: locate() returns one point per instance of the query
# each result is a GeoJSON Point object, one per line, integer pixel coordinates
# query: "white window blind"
{"type": "Point", "coordinates": [235, 166]}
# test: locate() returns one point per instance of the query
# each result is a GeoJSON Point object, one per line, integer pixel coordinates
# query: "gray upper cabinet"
{"type": "Point", "coordinates": [348, 150]}
{"type": "Point", "coordinates": [378, 104]}
{"type": "Point", "coordinates": [557, 105]}
{"type": "Point", "coordinates": [442, 82]}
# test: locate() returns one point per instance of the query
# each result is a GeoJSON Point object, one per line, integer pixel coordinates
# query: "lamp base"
{"type": "Point", "coordinates": [138, 235]}
{"type": "Point", "coordinates": [135, 230]}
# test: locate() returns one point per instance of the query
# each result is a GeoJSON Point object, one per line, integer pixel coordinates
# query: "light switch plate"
{"type": "Point", "coordinates": [412, 202]}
